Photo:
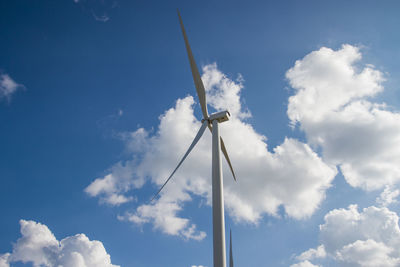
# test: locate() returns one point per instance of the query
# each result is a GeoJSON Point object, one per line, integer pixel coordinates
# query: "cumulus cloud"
{"type": "Point", "coordinates": [39, 246]}
{"type": "Point", "coordinates": [332, 106]}
{"type": "Point", "coordinates": [352, 238]}
{"type": "Point", "coordinates": [368, 253]}
{"type": "Point", "coordinates": [4, 262]}
{"type": "Point", "coordinates": [8, 86]}
{"type": "Point", "coordinates": [110, 185]}
{"type": "Point", "coordinates": [388, 196]}
{"type": "Point", "coordinates": [313, 254]}
{"type": "Point", "coordinates": [163, 215]}
{"type": "Point", "coordinates": [290, 175]}
{"type": "Point", "coordinates": [304, 264]}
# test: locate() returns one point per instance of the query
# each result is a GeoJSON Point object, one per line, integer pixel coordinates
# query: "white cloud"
{"type": "Point", "coordinates": [313, 254]}
{"type": "Point", "coordinates": [368, 253]}
{"type": "Point", "coordinates": [163, 215]}
{"type": "Point", "coordinates": [39, 246]}
{"type": "Point", "coordinates": [291, 175]}
{"type": "Point", "coordinates": [8, 86]}
{"type": "Point", "coordinates": [304, 264]}
{"type": "Point", "coordinates": [326, 80]}
{"type": "Point", "coordinates": [110, 186]}
{"type": "Point", "coordinates": [331, 105]}
{"type": "Point", "coordinates": [388, 196]}
{"type": "Point", "coordinates": [367, 238]}
{"type": "Point", "coordinates": [4, 260]}
{"type": "Point", "coordinates": [223, 92]}
{"type": "Point", "coordinates": [345, 226]}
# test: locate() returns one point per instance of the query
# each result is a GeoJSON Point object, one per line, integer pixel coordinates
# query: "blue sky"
{"type": "Point", "coordinates": [89, 88]}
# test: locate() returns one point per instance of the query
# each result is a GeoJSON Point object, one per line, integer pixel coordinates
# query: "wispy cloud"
{"type": "Point", "coordinates": [38, 246]}
{"type": "Point", "coordinates": [99, 9]}
{"type": "Point", "coordinates": [102, 18]}
{"type": "Point", "coordinates": [8, 87]}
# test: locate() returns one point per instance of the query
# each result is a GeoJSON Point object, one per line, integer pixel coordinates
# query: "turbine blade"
{"type": "Point", "coordinates": [201, 92]}
{"type": "Point", "coordinates": [223, 148]}
{"type": "Point", "coordinates": [230, 250]}
{"type": "Point", "coordinates": [195, 140]}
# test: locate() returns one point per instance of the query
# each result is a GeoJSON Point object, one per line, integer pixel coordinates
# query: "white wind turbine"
{"type": "Point", "coordinates": [210, 121]}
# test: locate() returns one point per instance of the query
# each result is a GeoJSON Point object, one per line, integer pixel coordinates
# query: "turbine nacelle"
{"type": "Point", "coordinates": [219, 116]}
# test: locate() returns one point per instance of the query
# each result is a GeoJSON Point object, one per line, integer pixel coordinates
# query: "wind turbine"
{"type": "Point", "coordinates": [211, 121]}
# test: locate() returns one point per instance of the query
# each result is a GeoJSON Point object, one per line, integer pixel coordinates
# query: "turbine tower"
{"type": "Point", "coordinates": [212, 122]}
{"type": "Point", "coordinates": [230, 249]}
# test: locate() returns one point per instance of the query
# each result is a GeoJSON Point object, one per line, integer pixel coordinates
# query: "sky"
{"type": "Point", "coordinates": [97, 105]}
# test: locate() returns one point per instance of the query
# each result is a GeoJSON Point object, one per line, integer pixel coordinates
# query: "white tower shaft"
{"type": "Point", "coordinates": [217, 200]}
